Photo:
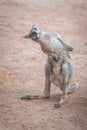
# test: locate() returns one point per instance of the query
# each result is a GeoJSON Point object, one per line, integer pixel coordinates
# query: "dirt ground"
{"type": "Point", "coordinates": [22, 64]}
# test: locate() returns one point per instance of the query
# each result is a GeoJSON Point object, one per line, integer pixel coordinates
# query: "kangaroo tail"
{"type": "Point", "coordinates": [72, 88]}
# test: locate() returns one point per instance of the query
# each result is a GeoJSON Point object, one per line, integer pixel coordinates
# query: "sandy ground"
{"type": "Point", "coordinates": [22, 64]}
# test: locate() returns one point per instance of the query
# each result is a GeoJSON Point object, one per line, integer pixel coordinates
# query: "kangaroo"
{"type": "Point", "coordinates": [58, 67]}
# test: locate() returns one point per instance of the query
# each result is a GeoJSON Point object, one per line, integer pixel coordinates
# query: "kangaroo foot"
{"type": "Point", "coordinates": [28, 97]}
{"type": "Point", "coordinates": [57, 105]}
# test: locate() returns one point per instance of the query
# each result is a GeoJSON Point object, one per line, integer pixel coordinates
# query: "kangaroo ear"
{"type": "Point", "coordinates": [33, 26]}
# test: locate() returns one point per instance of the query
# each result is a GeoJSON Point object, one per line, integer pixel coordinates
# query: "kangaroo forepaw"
{"type": "Point", "coordinates": [28, 97]}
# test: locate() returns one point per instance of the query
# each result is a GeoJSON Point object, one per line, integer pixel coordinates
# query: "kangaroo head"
{"type": "Point", "coordinates": [34, 33]}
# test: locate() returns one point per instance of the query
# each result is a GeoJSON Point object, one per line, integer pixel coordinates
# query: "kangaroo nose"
{"type": "Point", "coordinates": [26, 36]}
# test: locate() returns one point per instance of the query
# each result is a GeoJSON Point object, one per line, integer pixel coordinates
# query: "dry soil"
{"type": "Point", "coordinates": [22, 64]}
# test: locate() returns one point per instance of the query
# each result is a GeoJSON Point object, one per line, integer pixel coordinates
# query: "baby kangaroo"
{"type": "Point", "coordinates": [58, 67]}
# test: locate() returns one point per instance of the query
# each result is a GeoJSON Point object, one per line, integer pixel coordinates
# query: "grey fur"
{"type": "Point", "coordinates": [58, 72]}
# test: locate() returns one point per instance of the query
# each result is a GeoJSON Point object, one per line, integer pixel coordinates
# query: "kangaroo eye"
{"type": "Point", "coordinates": [35, 28]}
